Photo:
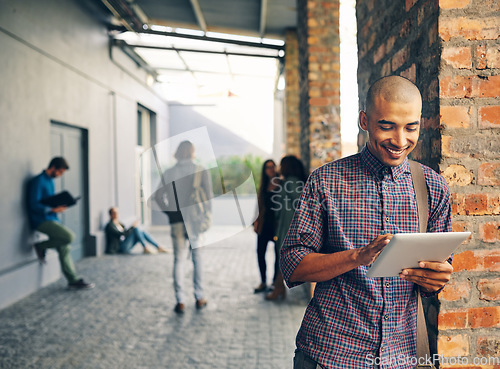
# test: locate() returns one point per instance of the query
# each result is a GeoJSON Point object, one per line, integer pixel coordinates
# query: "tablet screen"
{"type": "Point", "coordinates": [406, 250]}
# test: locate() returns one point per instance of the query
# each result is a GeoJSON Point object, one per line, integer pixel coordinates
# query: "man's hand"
{"type": "Point", "coordinates": [367, 255]}
{"type": "Point", "coordinates": [59, 209]}
{"type": "Point", "coordinates": [431, 275]}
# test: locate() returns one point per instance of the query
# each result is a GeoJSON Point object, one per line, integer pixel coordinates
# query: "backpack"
{"type": "Point", "coordinates": [200, 214]}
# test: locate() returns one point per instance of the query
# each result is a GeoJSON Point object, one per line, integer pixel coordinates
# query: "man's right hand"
{"type": "Point", "coordinates": [367, 255]}
{"type": "Point", "coordinates": [59, 209]}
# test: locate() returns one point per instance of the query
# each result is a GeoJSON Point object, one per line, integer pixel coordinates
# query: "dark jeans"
{"type": "Point", "coordinates": [302, 361]}
{"type": "Point", "coordinates": [262, 241]}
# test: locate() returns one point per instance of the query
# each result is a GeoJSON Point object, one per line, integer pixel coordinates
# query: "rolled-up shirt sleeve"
{"type": "Point", "coordinates": [305, 234]}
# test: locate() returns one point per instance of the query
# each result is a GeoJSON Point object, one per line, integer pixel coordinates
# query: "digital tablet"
{"type": "Point", "coordinates": [406, 250]}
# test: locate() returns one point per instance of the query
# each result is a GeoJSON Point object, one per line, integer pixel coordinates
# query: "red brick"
{"type": "Point", "coordinates": [405, 29]}
{"type": "Point", "coordinates": [489, 289]}
{"type": "Point", "coordinates": [488, 346]}
{"type": "Point", "coordinates": [493, 56]}
{"type": "Point", "coordinates": [453, 4]}
{"type": "Point", "coordinates": [455, 291]}
{"type": "Point", "coordinates": [458, 86]}
{"type": "Point", "coordinates": [458, 57]}
{"type": "Point", "coordinates": [489, 174]}
{"type": "Point", "coordinates": [453, 319]}
{"type": "Point", "coordinates": [390, 44]}
{"type": "Point", "coordinates": [379, 54]}
{"type": "Point", "coordinates": [469, 28]}
{"type": "Point", "coordinates": [455, 116]}
{"type": "Point", "coordinates": [481, 57]}
{"type": "Point", "coordinates": [399, 58]}
{"type": "Point", "coordinates": [386, 68]}
{"type": "Point", "coordinates": [489, 116]}
{"type": "Point", "coordinates": [460, 226]}
{"type": "Point", "coordinates": [476, 204]}
{"type": "Point", "coordinates": [457, 175]}
{"type": "Point", "coordinates": [484, 317]}
{"type": "Point", "coordinates": [489, 232]}
{"type": "Point", "coordinates": [491, 260]}
{"type": "Point", "coordinates": [410, 73]}
{"type": "Point", "coordinates": [467, 261]}
{"type": "Point", "coordinates": [319, 101]}
{"type": "Point", "coordinates": [486, 86]}
{"type": "Point", "coordinates": [453, 346]}
{"type": "Point", "coordinates": [410, 3]}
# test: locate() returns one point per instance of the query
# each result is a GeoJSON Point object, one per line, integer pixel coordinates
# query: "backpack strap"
{"type": "Point", "coordinates": [422, 197]}
{"type": "Point", "coordinates": [420, 186]}
{"type": "Point", "coordinates": [197, 178]}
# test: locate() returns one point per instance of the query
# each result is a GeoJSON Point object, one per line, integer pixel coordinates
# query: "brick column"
{"type": "Point", "coordinates": [469, 90]}
{"type": "Point", "coordinates": [319, 56]}
{"type": "Point", "coordinates": [324, 80]}
{"type": "Point", "coordinates": [292, 94]}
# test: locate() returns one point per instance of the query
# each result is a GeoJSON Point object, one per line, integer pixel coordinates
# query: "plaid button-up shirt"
{"type": "Point", "coordinates": [354, 321]}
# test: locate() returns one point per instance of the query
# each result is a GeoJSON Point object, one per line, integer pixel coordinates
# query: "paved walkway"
{"type": "Point", "coordinates": [128, 321]}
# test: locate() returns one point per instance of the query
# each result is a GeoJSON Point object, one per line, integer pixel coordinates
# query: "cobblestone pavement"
{"type": "Point", "coordinates": [127, 320]}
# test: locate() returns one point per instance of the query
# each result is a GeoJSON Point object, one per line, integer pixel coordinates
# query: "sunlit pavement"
{"type": "Point", "coordinates": [127, 320]}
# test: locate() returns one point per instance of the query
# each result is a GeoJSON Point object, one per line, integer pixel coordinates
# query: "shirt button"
{"type": "Point", "coordinates": [382, 349]}
{"type": "Point", "coordinates": [386, 316]}
{"type": "Point", "coordinates": [387, 284]}
{"type": "Point", "coordinates": [386, 187]}
{"type": "Point", "coordinates": [387, 219]}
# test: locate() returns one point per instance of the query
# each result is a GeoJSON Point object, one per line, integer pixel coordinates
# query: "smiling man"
{"type": "Point", "coordinates": [348, 212]}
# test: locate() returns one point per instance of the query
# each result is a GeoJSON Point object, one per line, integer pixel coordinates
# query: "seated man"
{"type": "Point", "coordinates": [121, 240]}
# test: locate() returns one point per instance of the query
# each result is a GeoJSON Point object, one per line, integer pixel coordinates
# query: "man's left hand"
{"type": "Point", "coordinates": [431, 275]}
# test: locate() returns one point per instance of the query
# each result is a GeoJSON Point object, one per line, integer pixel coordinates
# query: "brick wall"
{"type": "Point", "coordinates": [292, 94]}
{"type": "Point", "coordinates": [400, 38]}
{"type": "Point", "coordinates": [469, 90]}
{"type": "Point", "coordinates": [319, 51]}
{"type": "Point", "coordinates": [451, 49]}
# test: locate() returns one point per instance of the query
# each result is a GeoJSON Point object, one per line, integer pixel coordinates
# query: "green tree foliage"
{"type": "Point", "coordinates": [235, 173]}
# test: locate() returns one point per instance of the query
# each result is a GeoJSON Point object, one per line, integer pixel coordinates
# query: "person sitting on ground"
{"type": "Point", "coordinates": [122, 240]}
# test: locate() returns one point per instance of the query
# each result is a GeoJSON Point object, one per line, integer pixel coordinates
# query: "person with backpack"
{"type": "Point", "coordinates": [185, 198]}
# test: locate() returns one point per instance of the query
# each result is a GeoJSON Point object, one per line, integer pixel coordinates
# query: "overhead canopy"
{"type": "Point", "coordinates": [207, 44]}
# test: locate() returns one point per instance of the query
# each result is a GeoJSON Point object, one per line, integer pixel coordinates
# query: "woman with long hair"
{"type": "Point", "coordinates": [293, 178]}
{"type": "Point", "coordinates": [264, 226]}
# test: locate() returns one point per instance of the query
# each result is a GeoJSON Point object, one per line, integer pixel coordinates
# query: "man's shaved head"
{"type": "Point", "coordinates": [392, 89]}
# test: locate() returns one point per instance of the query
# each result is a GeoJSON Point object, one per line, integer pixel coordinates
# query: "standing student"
{"type": "Point", "coordinates": [285, 200]}
{"type": "Point", "coordinates": [265, 225]}
{"type": "Point", "coordinates": [45, 220]}
{"type": "Point", "coordinates": [176, 195]}
{"type": "Point", "coordinates": [347, 214]}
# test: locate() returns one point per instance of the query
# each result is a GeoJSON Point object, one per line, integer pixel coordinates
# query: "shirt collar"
{"type": "Point", "coordinates": [379, 169]}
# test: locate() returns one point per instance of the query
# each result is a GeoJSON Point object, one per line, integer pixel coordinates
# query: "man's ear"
{"type": "Point", "coordinates": [363, 121]}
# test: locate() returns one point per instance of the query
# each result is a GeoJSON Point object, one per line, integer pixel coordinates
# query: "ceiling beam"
{"type": "Point", "coordinates": [263, 17]}
{"type": "Point", "coordinates": [216, 39]}
{"type": "Point", "coordinates": [121, 43]}
{"type": "Point", "coordinates": [199, 15]}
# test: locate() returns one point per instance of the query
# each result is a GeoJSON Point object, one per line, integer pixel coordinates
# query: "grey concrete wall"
{"type": "Point", "coordinates": [55, 65]}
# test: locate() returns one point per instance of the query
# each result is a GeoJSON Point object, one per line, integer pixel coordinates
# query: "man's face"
{"type": "Point", "coordinates": [54, 173]}
{"type": "Point", "coordinates": [393, 129]}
